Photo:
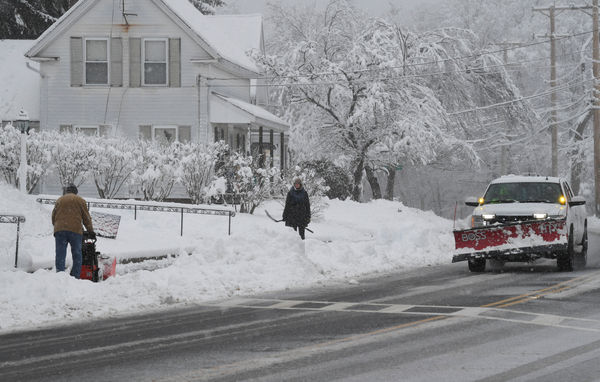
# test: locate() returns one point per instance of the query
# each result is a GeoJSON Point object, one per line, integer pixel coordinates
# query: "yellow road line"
{"type": "Point", "coordinates": [535, 297]}
{"type": "Point", "coordinates": [555, 286]}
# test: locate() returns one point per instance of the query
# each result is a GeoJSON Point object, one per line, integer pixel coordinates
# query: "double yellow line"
{"type": "Point", "coordinates": [556, 288]}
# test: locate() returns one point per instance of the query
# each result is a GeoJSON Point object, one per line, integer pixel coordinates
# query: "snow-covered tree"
{"type": "Point", "coordinates": [10, 153]}
{"type": "Point", "coordinates": [207, 7]}
{"type": "Point", "coordinates": [73, 155]}
{"type": "Point", "coordinates": [112, 165]}
{"type": "Point", "coordinates": [39, 157]}
{"type": "Point", "coordinates": [358, 88]}
{"type": "Point", "coordinates": [156, 171]}
{"type": "Point", "coordinates": [197, 169]}
{"type": "Point", "coordinates": [247, 181]}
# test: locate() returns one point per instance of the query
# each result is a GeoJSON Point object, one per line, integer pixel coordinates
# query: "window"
{"type": "Point", "coordinates": [88, 130]}
{"type": "Point", "coordinates": [165, 134]}
{"type": "Point", "coordinates": [96, 61]}
{"type": "Point", "coordinates": [154, 60]}
{"type": "Point", "coordinates": [525, 192]}
{"type": "Point", "coordinates": [91, 131]}
{"type": "Point", "coordinates": [568, 189]}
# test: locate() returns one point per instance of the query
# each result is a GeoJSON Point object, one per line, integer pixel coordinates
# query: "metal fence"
{"type": "Point", "coordinates": [14, 219]}
{"type": "Point", "coordinates": [150, 207]}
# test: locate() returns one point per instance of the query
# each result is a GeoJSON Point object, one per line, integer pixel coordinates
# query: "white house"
{"type": "Point", "coordinates": [156, 69]}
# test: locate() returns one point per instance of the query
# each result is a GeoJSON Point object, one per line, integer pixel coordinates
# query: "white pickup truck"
{"type": "Point", "coordinates": [523, 218]}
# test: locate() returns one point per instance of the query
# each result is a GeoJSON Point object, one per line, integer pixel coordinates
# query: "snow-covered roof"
{"type": "Point", "coordinates": [253, 113]}
{"type": "Point", "coordinates": [230, 35]}
{"type": "Point", "coordinates": [525, 179]}
{"type": "Point", "coordinates": [20, 85]}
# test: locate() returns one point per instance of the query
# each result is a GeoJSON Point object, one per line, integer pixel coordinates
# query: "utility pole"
{"type": "Point", "coordinates": [553, 119]}
{"type": "Point", "coordinates": [596, 71]}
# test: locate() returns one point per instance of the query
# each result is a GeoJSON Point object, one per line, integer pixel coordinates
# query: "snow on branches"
{"type": "Point", "coordinates": [367, 90]}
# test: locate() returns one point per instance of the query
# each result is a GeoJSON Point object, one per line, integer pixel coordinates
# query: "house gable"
{"type": "Point", "coordinates": [99, 17]}
{"type": "Point", "coordinates": [102, 17]}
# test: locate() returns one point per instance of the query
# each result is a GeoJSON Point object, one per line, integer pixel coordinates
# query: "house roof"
{"type": "Point", "coordinates": [243, 112]}
{"type": "Point", "coordinates": [229, 36]}
{"type": "Point", "coordinates": [54, 30]}
{"type": "Point", "coordinates": [20, 85]}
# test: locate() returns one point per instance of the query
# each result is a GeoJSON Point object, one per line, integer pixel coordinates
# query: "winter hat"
{"type": "Point", "coordinates": [71, 189]}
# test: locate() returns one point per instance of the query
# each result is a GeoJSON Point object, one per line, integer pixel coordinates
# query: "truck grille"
{"type": "Point", "coordinates": [510, 219]}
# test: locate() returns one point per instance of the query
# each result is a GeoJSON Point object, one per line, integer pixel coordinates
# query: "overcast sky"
{"type": "Point", "coordinates": [374, 7]}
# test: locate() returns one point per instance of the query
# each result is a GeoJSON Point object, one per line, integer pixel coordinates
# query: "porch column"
{"type": "Point", "coordinates": [272, 145]}
{"type": "Point", "coordinates": [261, 157]}
{"type": "Point", "coordinates": [282, 151]}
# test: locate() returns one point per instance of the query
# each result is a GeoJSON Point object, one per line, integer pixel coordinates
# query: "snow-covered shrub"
{"type": "Point", "coordinates": [113, 163]}
{"type": "Point", "coordinates": [73, 156]}
{"type": "Point", "coordinates": [38, 156]}
{"type": "Point", "coordinates": [313, 183]}
{"type": "Point", "coordinates": [248, 182]}
{"type": "Point", "coordinates": [336, 178]}
{"type": "Point", "coordinates": [156, 170]}
{"type": "Point", "coordinates": [9, 153]}
{"type": "Point", "coordinates": [197, 166]}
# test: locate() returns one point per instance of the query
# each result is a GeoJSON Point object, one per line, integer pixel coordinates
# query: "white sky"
{"type": "Point", "coordinates": [374, 7]}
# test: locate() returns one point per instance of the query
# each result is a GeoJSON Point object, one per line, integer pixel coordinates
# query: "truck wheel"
{"type": "Point", "coordinates": [581, 258]}
{"type": "Point", "coordinates": [565, 261]}
{"type": "Point", "coordinates": [477, 265]}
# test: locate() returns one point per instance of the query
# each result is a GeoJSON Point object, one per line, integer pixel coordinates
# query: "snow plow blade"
{"type": "Point", "coordinates": [512, 242]}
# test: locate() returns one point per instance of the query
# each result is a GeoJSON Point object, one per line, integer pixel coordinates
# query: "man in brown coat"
{"type": "Point", "coordinates": [69, 212]}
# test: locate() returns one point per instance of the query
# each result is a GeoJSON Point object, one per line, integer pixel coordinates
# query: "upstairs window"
{"type": "Point", "coordinates": [96, 61]}
{"type": "Point", "coordinates": [154, 59]}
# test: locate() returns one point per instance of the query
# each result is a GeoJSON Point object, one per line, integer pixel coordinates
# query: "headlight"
{"type": "Point", "coordinates": [476, 221]}
{"type": "Point", "coordinates": [488, 216]}
{"type": "Point", "coordinates": [540, 216]}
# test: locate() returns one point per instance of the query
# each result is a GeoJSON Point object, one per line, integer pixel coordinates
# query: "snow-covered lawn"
{"type": "Point", "coordinates": [350, 240]}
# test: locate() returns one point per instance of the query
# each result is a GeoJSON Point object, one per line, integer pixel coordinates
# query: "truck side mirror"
{"type": "Point", "coordinates": [577, 201]}
{"type": "Point", "coordinates": [472, 201]}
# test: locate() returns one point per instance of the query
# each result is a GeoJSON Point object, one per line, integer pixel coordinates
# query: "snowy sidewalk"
{"type": "Point", "coordinates": [350, 240]}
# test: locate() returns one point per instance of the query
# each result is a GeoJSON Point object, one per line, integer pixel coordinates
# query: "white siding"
{"type": "Point", "coordinates": [237, 88]}
{"type": "Point", "coordinates": [125, 108]}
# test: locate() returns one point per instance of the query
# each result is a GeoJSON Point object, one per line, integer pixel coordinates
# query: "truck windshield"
{"type": "Point", "coordinates": [527, 192]}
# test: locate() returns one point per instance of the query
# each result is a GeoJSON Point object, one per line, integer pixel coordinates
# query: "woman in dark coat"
{"type": "Point", "coordinates": [297, 208]}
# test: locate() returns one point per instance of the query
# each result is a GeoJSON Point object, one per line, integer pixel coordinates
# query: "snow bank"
{"type": "Point", "coordinates": [351, 240]}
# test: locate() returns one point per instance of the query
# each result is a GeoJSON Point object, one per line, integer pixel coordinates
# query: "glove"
{"type": "Point", "coordinates": [92, 235]}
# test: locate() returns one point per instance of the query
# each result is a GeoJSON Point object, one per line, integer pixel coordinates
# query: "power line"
{"type": "Point", "coordinates": [526, 45]}
{"type": "Point", "coordinates": [512, 68]}
{"type": "Point", "coordinates": [520, 99]}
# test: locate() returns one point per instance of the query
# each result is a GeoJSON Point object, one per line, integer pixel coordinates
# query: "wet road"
{"type": "Point", "coordinates": [527, 323]}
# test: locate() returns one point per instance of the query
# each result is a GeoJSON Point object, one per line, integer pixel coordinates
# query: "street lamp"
{"type": "Point", "coordinates": [22, 123]}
